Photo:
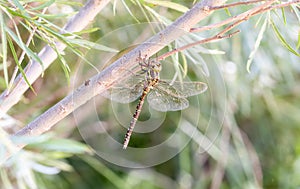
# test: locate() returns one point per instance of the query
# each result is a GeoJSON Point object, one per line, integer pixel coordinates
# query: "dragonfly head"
{"type": "Point", "coordinates": [155, 66]}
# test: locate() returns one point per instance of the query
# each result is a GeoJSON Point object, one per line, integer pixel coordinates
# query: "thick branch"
{"type": "Point", "coordinates": [48, 55]}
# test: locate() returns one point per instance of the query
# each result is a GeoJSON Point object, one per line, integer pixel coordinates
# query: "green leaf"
{"type": "Point", "coordinates": [282, 40]}
{"type": "Point", "coordinates": [21, 8]}
{"type": "Point", "coordinates": [129, 11]}
{"type": "Point", "coordinates": [143, 10]}
{"type": "Point", "coordinates": [4, 48]}
{"type": "Point", "coordinates": [64, 65]}
{"type": "Point", "coordinates": [257, 43]}
{"type": "Point", "coordinates": [50, 32]}
{"type": "Point", "coordinates": [114, 178]}
{"type": "Point", "coordinates": [298, 43]}
{"type": "Point", "coordinates": [114, 6]}
{"type": "Point", "coordinates": [168, 4]}
{"type": "Point", "coordinates": [71, 3]}
{"type": "Point", "coordinates": [54, 16]}
{"type": "Point", "coordinates": [87, 31]}
{"type": "Point", "coordinates": [228, 12]}
{"type": "Point", "coordinates": [23, 46]}
{"type": "Point", "coordinates": [46, 160]}
{"type": "Point", "coordinates": [13, 51]}
{"type": "Point", "coordinates": [44, 5]}
{"type": "Point", "coordinates": [89, 44]}
{"type": "Point", "coordinates": [16, 13]}
{"type": "Point", "coordinates": [296, 11]}
{"type": "Point", "coordinates": [283, 15]}
{"type": "Point", "coordinates": [62, 145]}
{"type": "Point", "coordinates": [31, 139]}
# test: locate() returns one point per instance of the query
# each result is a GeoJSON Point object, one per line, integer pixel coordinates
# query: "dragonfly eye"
{"type": "Point", "coordinates": [156, 68]}
{"type": "Point", "coordinates": [155, 65]}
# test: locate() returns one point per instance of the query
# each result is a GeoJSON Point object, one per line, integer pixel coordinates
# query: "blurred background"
{"type": "Point", "coordinates": [241, 133]}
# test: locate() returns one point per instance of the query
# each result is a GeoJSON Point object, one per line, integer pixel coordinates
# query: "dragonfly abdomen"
{"type": "Point", "coordinates": [135, 116]}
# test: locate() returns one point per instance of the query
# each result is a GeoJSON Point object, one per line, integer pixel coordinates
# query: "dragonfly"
{"type": "Point", "coordinates": [162, 95]}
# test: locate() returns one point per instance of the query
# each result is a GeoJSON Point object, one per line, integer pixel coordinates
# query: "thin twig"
{"type": "Point", "coordinates": [248, 14]}
{"type": "Point", "coordinates": [285, 4]}
{"type": "Point", "coordinates": [235, 4]}
{"type": "Point", "coordinates": [243, 16]}
{"type": "Point", "coordinates": [207, 40]}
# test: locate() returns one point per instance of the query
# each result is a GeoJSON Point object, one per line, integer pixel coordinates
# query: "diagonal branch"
{"type": "Point", "coordinates": [115, 71]}
{"type": "Point", "coordinates": [47, 55]}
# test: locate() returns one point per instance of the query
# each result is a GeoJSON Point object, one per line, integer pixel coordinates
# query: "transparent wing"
{"type": "Point", "coordinates": [162, 101]}
{"type": "Point", "coordinates": [181, 89]}
{"type": "Point", "coordinates": [125, 91]}
{"type": "Point", "coordinates": [172, 97]}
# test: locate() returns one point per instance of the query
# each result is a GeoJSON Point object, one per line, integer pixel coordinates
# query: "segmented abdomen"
{"type": "Point", "coordinates": [137, 112]}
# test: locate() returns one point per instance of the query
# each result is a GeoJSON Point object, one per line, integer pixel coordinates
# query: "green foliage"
{"type": "Point", "coordinates": [253, 131]}
{"type": "Point", "coordinates": [283, 41]}
{"type": "Point", "coordinates": [40, 27]}
{"type": "Point", "coordinates": [45, 155]}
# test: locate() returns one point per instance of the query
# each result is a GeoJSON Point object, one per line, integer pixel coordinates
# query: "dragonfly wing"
{"type": "Point", "coordinates": [162, 101]}
{"type": "Point", "coordinates": [126, 91]}
{"type": "Point", "coordinates": [182, 89]}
